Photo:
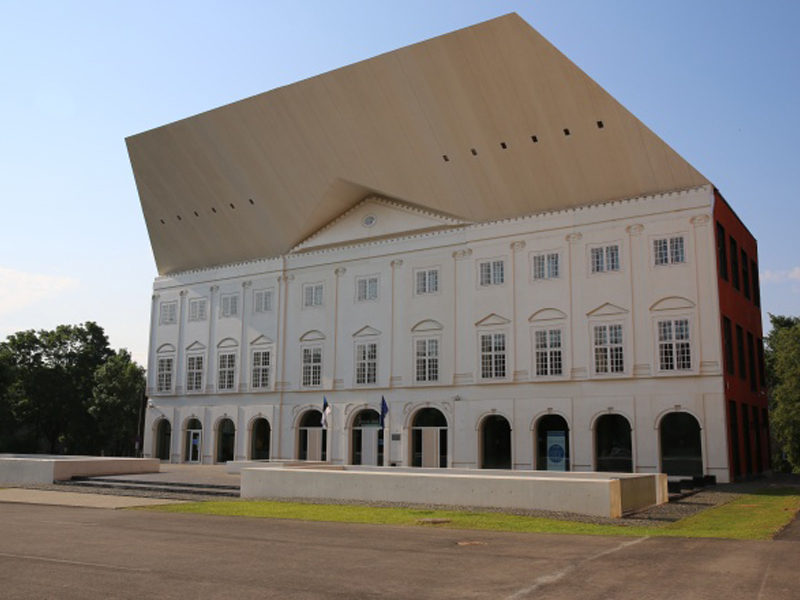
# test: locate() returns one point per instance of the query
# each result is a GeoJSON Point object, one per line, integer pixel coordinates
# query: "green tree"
{"type": "Point", "coordinates": [118, 391]}
{"type": "Point", "coordinates": [783, 372]}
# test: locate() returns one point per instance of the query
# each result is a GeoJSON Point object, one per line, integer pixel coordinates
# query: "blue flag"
{"type": "Point", "coordinates": [384, 412]}
{"type": "Point", "coordinates": [326, 410]}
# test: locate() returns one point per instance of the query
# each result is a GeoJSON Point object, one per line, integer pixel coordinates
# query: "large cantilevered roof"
{"type": "Point", "coordinates": [484, 123]}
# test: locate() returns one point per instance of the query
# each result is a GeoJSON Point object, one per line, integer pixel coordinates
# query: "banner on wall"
{"type": "Point", "coordinates": [556, 451]}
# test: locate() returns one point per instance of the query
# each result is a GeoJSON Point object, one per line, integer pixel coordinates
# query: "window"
{"type": "Point", "coordinates": [427, 359]}
{"type": "Point", "coordinates": [230, 305]}
{"type": "Point", "coordinates": [674, 346]}
{"type": "Point", "coordinates": [761, 368]}
{"type": "Point", "coordinates": [669, 251]}
{"type": "Point", "coordinates": [366, 363]}
{"type": "Point", "coordinates": [493, 355]}
{"type": "Point", "coordinates": [547, 349]}
{"type": "Point", "coordinates": [734, 264]}
{"type": "Point", "coordinates": [608, 349]}
{"type": "Point", "coordinates": [427, 281]}
{"type": "Point", "coordinates": [367, 288]}
{"type": "Point", "coordinates": [261, 365]}
{"type": "Point", "coordinates": [312, 295]}
{"type": "Point", "coordinates": [227, 371]}
{"type": "Point", "coordinates": [168, 313]}
{"type": "Point", "coordinates": [492, 272]}
{"type": "Point", "coordinates": [605, 259]}
{"type": "Point", "coordinates": [727, 336]}
{"type": "Point", "coordinates": [751, 360]}
{"type": "Point", "coordinates": [545, 266]}
{"type": "Point", "coordinates": [722, 255]}
{"type": "Point", "coordinates": [745, 275]}
{"type": "Point", "coordinates": [164, 375]}
{"type": "Point", "coordinates": [740, 352]}
{"type": "Point", "coordinates": [197, 309]}
{"type": "Point", "coordinates": [312, 366]}
{"type": "Point", "coordinates": [262, 301]}
{"type": "Point", "coordinates": [756, 283]}
{"type": "Point", "coordinates": [194, 373]}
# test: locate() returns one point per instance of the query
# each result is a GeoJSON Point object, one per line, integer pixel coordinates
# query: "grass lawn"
{"type": "Point", "coordinates": [755, 516]}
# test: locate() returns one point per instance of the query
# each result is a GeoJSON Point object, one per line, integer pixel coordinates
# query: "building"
{"type": "Point", "coordinates": [470, 228]}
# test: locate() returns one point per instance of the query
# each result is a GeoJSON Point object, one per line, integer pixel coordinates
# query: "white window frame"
{"type": "Point", "coordinates": [426, 275]}
{"type": "Point", "coordinates": [165, 377]}
{"type": "Point", "coordinates": [610, 346]}
{"type": "Point", "coordinates": [672, 344]}
{"type": "Point", "coordinates": [228, 305]}
{"type": "Point", "coordinates": [317, 295]}
{"type": "Point", "coordinates": [263, 301]}
{"type": "Point", "coordinates": [493, 353]}
{"type": "Point", "coordinates": [428, 361]}
{"type": "Point", "coordinates": [168, 313]}
{"type": "Point", "coordinates": [671, 246]}
{"type": "Point", "coordinates": [605, 253]}
{"type": "Point", "coordinates": [261, 374]}
{"type": "Point", "coordinates": [370, 364]}
{"type": "Point", "coordinates": [495, 271]}
{"type": "Point", "coordinates": [550, 265]}
{"type": "Point", "coordinates": [312, 349]}
{"type": "Point", "coordinates": [370, 285]}
{"type": "Point", "coordinates": [198, 309]}
{"type": "Point", "coordinates": [192, 372]}
{"type": "Point", "coordinates": [552, 355]}
{"type": "Point", "coordinates": [230, 382]}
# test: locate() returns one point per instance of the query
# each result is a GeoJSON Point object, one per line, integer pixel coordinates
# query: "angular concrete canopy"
{"type": "Point", "coordinates": [484, 123]}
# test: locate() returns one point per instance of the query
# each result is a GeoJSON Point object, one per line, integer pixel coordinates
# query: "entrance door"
{"type": "Point", "coordinates": [195, 445]}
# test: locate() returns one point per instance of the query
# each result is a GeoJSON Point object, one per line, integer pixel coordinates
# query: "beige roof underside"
{"type": "Point", "coordinates": [307, 152]}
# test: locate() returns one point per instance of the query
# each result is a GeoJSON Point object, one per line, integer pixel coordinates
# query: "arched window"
{"type": "Point", "coordinates": [429, 439]}
{"type": "Point", "coordinates": [495, 443]}
{"type": "Point", "coordinates": [226, 441]}
{"type": "Point", "coordinates": [312, 440]}
{"type": "Point", "coordinates": [552, 443]}
{"type": "Point", "coordinates": [612, 442]}
{"type": "Point", "coordinates": [260, 439]}
{"type": "Point", "coordinates": [367, 439]}
{"type": "Point", "coordinates": [681, 448]}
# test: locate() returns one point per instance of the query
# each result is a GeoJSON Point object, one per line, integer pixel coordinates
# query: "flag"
{"type": "Point", "coordinates": [326, 410]}
{"type": "Point", "coordinates": [384, 412]}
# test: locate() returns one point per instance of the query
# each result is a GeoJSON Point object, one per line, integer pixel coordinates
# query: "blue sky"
{"type": "Point", "coordinates": [718, 80]}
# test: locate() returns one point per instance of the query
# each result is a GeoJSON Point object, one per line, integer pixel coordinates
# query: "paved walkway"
{"type": "Point", "coordinates": [28, 496]}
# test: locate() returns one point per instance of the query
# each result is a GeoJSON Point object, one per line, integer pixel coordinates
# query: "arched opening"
{"type": "Point", "coordinates": [681, 449]}
{"type": "Point", "coordinates": [612, 444]}
{"type": "Point", "coordinates": [495, 443]}
{"type": "Point", "coordinates": [193, 445]}
{"type": "Point", "coordinates": [226, 440]}
{"type": "Point", "coordinates": [552, 444]}
{"type": "Point", "coordinates": [163, 439]}
{"type": "Point", "coordinates": [260, 439]}
{"type": "Point", "coordinates": [429, 439]}
{"type": "Point", "coordinates": [312, 439]}
{"type": "Point", "coordinates": [367, 439]}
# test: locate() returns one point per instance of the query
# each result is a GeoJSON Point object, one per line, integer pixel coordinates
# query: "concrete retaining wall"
{"type": "Point", "coordinates": [23, 469]}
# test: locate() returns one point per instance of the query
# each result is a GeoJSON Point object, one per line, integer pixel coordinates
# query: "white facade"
{"type": "Point", "coordinates": [425, 310]}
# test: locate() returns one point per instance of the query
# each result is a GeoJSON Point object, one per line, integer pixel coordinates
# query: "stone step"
{"type": "Point", "coordinates": [135, 482]}
{"type": "Point", "coordinates": [167, 489]}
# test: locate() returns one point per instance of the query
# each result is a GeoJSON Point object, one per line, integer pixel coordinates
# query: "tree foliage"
{"type": "Point", "coordinates": [783, 373]}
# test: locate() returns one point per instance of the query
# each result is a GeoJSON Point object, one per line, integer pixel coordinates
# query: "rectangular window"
{"type": "Point", "coordinates": [194, 373]}
{"type": "Point", "coordinates": [745, 275]}
{"type": "Point", "coordinates": [366, 363]}
{"type": "Point", "coordinates": [197, 309]}
{"type": "Point", "coordinates": [762, 377]}
{"type": "Point", "coordinates": [547, 348]}
{"type": "Point", "coordinates": [164, 375]}
{"type": "Point", "coordinates": [261, 366]}
{"type": "Point", "coordinates": [756, 283]}
{"type": "Point", "coordinates": [227, 371]}
{"type": "Point", "coordinates": [312, 366]}
{"type": "Point", "coordinates": [751, 360]}
{"type": "Point", "coordinates": [168, 313]}
{"type": "Point", "coordinates": [367, 288]}
{"type": "Point", "coordinates": [427, 281]}
{"type": "Point", "coordinates": [229, 305]}
{"type": "Point", "coordinates": [740, 352]}
{"type": "Point", "coordinates": [492, 272]}
{"type": "Point", "coordinates": [674, 346]}
{"type": "Point", "coordinates": [493, 356]}
{"type": "Point", "coordinates": [427, 359]}
{"type": "Point", "coordinates": [605, 259]}
{"type": "Point", "coordinates": [545, 266]}
{"type": "Point", "coordinates": [312, 295]}
{"type": "Point", "coordinates": [669, 251]}
{"type": "Point", "coordinates": [727, 336]}
{"type": "Point", "coordinates": [734, 264]}
{"type": "Point", "coordinates": [262, 301]}
{"type": "Point", "coordinates": [608, 349]}
{"type": "Point", "coordinates": [722, 255]}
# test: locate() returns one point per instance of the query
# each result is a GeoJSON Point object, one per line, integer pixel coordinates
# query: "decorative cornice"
{"type": "Point", "coordinates": [156, 297]}
{"type": "Point", "coordinates": [247, 284]}
{"type": "Point", "coordinates": [462, 254]}
{"type": "Point", "coordinates": [396, 264]}
{"type": "Point", "coordinates": [184, 293]}
{"type": "Point", "coordinates": [214, 289]}
{"type": "Point", "coordinates": [517, 246]}
{"type": "Point", "coordinates": [635, 229]}
{"type": "Point", "coordinates": [574, 238]}
{"type": "Point", "coordinates": [700, 220]}
{"type": "Point", "coordinates": [340, 271]}
{"type": "Point", "coordinates": [286, 278]}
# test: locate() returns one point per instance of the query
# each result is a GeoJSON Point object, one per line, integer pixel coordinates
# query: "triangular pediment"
{"type": "Point", "coordinates": [378, 218]}
{"type": "Point", "coordinates": [492, 319]}
{"type": "Point", "coordinates": [195, 346]}
{"type": "Point", "coordinates": [366, 332]}
{"type": "Point", "coordinates": [546, 314]}
{"type": "Point", "coordinates": [427, 325]}
{"type": "Point", "coordinates": [607, 310]}
{"type": "Point", "coordinates": [672, 303]}
{"type": "Point", "coordinates": [261, 340]}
